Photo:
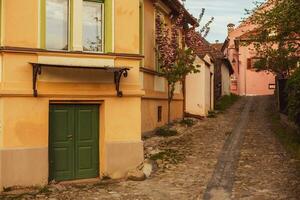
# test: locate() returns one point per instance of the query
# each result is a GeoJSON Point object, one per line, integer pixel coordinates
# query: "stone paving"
{"type": "Point", "coordinates": [263, 169]}
{"type": "Point", "coordinates": [221, 183]}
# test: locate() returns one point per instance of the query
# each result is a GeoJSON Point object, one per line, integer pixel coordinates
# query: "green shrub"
{"type": "Point", "coordinates": [188, 122]}
{"type": "Point", "coordinates": [226, 101]}
{"type": "Point", "coordinates": [171, 155]}
{"type": "Point", "coordinates": [165, 131]}
{"type": "Point", "coordinates": [293, 90]}
{"type": "Point", "coordinates": [287, 135]}
{"type": "Point", "coordinates": [211, 114]}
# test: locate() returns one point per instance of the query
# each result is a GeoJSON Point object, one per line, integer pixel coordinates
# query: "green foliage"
{"type": "Point", "coordinates": [287, 135]}
{"type": "Point", "coordinates": [170, 155]}
{"type": "Point", "coordinates": [180, 68]}
{"type": "Point", "coordinates": [226, 101]}
{"type": "Point", "coordinates": [165, 131]}
{"type": "Point", "coordinates": [187, 122]}
{"type": "Point", "coordinates": [175, 62]}
{"type": "Point", "coordinates": [212, 114]}
{"type": "Point", "coordinates": [276, 38]}
{"type": "Point", "coordinates": [293, 90]}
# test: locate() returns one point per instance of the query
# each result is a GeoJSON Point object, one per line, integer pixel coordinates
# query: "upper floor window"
{"type": "Point", "coordinates": [57, 12]}
{"type": "Point", "coordinates": [251, 62]}
{"type": "Point", "coordinates": [93, 25]}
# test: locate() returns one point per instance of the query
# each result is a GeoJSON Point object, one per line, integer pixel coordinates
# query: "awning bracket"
{"type": "Point", "coordinates": [118, 73]}
{"type": "Point", "coordinates": [117, 76]}
{"type": "Point", "coordinates": [36, 70]}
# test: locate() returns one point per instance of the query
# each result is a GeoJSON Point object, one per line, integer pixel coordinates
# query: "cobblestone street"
{"type": "Point", "coordinates": [255, 165]}
{"type": "Point", "coordinates": [265, 171]}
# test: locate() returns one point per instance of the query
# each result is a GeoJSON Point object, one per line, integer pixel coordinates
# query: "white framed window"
{"type": "Point", "coordinates": [93, 23]}
{"type": "Point", "coordinates": [57, 22]}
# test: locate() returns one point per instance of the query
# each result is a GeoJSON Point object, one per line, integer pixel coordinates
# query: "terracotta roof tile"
{"type": "Point", "coordinates": [204, 47]}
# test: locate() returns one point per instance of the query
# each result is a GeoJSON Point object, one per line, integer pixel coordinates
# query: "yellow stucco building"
{"type": "Point", "coordinates": [155, 101]}
{"type": "Point", "coordinates": [70, 96]}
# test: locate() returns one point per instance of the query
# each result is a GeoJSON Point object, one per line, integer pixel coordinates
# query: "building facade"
{"type": "Point", "coordinates": [70, 96]}
{"type": "Point", "coordinates": [246, 80]}
{"type": "Point", "coordinates": [223, 71]}
{"type": "Point", "coordinates": [155, 101]}
{"type": "Point", "coordinates": [200, 88]}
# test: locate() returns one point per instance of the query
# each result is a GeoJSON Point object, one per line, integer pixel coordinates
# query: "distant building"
{"type": "Point", "coordinates": [223, 71]}
{"type": "Point", "coordinates": [203, 89]}
{"type": "Point", "coordinates": [245, 80]}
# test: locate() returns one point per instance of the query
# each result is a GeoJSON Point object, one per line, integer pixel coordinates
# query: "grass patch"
{"type": "Point", "coordinates": [212, 114]}
{"type": "Point", "coordinates": [170, 155]}
{"type": "Point", "coordinates": [226, 102]}
{"type": "Point", "coordinates": [288, 136]}
{"type": "Point", "coordinates": [187, 122]}
{"type": "Point", "coordinates": [45, 190]}
{"type": "Point", "coordinates": [165, 131]}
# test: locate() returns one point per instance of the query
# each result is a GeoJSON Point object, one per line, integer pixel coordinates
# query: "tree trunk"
{"type": "Point", "coordinates": [169, 105]}
{"type": "Point", "coordinates": [184, 97]}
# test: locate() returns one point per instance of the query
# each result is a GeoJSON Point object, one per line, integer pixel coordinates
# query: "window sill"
{"type": "Point", "coordinates": [39, 50]}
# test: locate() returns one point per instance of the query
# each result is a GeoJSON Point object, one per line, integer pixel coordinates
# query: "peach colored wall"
{"type": "Point", "coordinates": [149, 110]}
{"type": "Point", "coordinates": [155, 88]}
{"type": "Point", "coordinates": [249, 82]}
{"type": "Point", "coordinates": [20, 23]}
{"type": "Point", "coordinates": [127, 26]}
{"type": "Point", "coordinates": [149, 34]}
{"type": "Point", "coordinates": [24, 119]}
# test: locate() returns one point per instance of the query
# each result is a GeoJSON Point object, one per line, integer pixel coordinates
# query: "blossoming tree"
{"type": "Point", "coordinates": [176, 60]}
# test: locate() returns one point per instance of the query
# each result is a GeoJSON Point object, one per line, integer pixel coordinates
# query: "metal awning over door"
{"type": "Point", "coordinates": [117, 71]}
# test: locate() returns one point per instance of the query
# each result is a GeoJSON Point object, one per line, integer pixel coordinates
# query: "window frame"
{"type": "Point", "coordinates": [1, 22]}
{"type": "Point", "coordinates": [159, 113]}
{"type": "Point", "coordinates": [251, 62]}
{"type": "Point", "coordinates": [108, 46]}
{"type": "Point", "coordinates": [103, 27]}
{"type": "Point", "coordinates": [43, 24]}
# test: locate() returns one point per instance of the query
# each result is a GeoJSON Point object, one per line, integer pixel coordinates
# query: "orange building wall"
{"type": "Point", "coordinates": [24, 119]}
{"type": "Point", "coordinates": [20, 23]}
{"type": "Point", "coordinates": [154, 98]}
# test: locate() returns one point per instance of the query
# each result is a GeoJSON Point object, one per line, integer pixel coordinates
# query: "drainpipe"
{"type": "Point", "coordinates": [245, 74]}
{"type": "Point", "coordinates": [245, 77]}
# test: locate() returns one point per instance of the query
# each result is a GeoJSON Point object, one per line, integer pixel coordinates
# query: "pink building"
{"type": "Point", "coordinates": [245, 80]}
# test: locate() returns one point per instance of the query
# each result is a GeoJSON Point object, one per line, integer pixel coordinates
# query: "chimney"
{"type": "Point", "coordinates": [230, 27]}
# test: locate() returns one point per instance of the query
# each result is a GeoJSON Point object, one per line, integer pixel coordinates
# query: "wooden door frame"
{"type": "Point", "coordinates": [77, 102]}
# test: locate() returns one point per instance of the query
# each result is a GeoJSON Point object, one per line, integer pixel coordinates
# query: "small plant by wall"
{"type": "Point", "coordinates": [226, 101]}
{"type": "Point", "coordinates": [293, 90]}
{"type": "Point", "coordinates": [187, 122]}
{"type": "Point", "coordinates": [165, 131]}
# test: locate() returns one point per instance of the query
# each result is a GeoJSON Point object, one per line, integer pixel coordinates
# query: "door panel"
{"type": "Point", "coordinates": [87, 162]}
{"type": "Point", "coordinates": [74, 142]}
{"type": "Point", "coordinates": [61, 142]}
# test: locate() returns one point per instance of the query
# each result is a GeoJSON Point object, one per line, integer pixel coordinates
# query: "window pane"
{"type": "Point", "coordinates": [57, 24]}
{"type": "Point", "coordinates": [92, 26]}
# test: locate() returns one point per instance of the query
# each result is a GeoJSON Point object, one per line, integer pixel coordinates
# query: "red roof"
{"type": "Point", "coordinates": [176, 5]}
{"type": "Point", "coordinates": [203, 47]}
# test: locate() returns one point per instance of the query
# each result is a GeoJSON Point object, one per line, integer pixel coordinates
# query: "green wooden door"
{"type": "Point", "coordinates": [74, 143]}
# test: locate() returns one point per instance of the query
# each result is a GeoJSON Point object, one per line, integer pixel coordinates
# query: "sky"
{"type": "Point", "coordinates": [224, 12]}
